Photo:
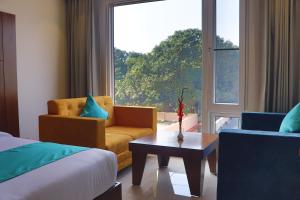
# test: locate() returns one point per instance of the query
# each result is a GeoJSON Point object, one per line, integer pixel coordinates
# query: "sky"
{"type": "Point", "coordinates": [140, 27]}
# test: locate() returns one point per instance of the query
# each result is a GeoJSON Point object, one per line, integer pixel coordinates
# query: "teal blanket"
{"type": "Point", "coordinates": [17, 161]}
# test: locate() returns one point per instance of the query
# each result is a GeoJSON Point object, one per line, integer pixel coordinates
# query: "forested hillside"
{"type": "Point", "coordinates": [156, 78]}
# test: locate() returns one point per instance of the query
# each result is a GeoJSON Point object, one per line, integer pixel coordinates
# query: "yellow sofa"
{"type": "Point", "coordinates": [63, 125]}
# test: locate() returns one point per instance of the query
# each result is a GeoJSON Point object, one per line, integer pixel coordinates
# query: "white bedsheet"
{"type": "Point", "coordinates": [3, 134]}
{"type": "Point", "coordinates": [82, 176]}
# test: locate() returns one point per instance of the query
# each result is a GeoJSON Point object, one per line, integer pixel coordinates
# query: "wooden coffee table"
{"type": "Point", "coordinates": [194, 150]}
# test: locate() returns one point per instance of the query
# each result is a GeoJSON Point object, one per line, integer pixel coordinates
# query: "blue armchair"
{"type": "Point", "coordinates": [257, 162]}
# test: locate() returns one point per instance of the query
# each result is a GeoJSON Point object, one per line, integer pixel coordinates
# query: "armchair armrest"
{"type": "Point", "coordinates": [251, 163]}
{"type": "Point", "coordinates": [144, 117]}
{"type": "Point", "coordinates": [79, 131]}
{"type": "Point", "coordinates": [262, 121]}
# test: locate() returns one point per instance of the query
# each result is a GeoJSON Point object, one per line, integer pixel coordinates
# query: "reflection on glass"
{"type": "Point", "coordinates": [227, 76]}
{"type": "Point", "coordinates": [226, 123]}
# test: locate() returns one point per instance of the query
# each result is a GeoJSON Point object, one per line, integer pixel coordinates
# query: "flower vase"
{"type": "Point", "coordinates": [180, 135]}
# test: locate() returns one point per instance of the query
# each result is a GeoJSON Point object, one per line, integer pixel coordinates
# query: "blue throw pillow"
{"type": "Point", "coordinates": [291, 122]}
{"type": "Point", "coordinates": [92, 109]}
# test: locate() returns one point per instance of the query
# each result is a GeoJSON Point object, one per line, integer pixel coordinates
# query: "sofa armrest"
{"type": "Point", "coordinates": [262, 121]}
{"type": "Point", "coordinates": [252, 163]}
{"type": "Point", "coordinates": [144, 117]}
{"type": "Point", "coordinates": [79, 131]}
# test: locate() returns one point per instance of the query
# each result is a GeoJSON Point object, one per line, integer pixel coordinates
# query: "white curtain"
{"type": "Point", "coordinates": [272, 55]}
{"type": "Point", "coordinates": [83, 42]}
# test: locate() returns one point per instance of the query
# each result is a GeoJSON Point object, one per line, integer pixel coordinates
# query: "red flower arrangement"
{"type": "Point", "coordinates": [180, 114]}
{"type": "Point", "coordinates": [180, 106]}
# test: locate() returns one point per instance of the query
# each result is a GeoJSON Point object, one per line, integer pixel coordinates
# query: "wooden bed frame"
{"type": "Point", "coordinates": [114, 193]}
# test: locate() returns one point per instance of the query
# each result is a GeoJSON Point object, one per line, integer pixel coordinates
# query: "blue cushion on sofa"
{"type": "Point", "coordinates": [92, 109]}
{"type": "Point", "coordinates": [291, 122]}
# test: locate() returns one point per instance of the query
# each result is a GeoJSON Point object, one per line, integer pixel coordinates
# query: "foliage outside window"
{"type": "Point", "coordinates": [156, 78]}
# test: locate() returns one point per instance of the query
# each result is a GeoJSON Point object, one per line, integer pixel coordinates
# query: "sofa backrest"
{"type": "Point", "coordinates": [74, 106]}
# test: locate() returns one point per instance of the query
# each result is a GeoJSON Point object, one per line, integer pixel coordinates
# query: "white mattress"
{"type": "Point", "coordinates": [82, 176]}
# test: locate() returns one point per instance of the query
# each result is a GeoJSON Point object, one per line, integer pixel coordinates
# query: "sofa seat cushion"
{"type": "Point", "coordinates": [133, 132]}
{"type": "Point", "coordinates": [116, 143]}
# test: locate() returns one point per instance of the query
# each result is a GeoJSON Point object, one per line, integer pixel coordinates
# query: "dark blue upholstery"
{"type": "Point", "coordinates": [262, 121]}
{"type": "Point", "coordinates": [259, 165]}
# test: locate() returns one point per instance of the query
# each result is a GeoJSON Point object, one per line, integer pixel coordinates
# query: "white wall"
{"type": "Point", "coordinates": [41, 57]}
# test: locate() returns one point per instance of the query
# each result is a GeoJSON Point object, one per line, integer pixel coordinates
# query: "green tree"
{"type": "Point", "coordinates": [120, 58]}
{"type": "Point", "coordinates": [156, 78]}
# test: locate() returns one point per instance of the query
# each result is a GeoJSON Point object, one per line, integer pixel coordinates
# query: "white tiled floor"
{"type": "Point", "coordinates": [164, 184]}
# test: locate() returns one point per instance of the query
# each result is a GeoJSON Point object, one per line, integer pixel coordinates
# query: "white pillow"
{"type": "Point", "coordinates": [3, 134]}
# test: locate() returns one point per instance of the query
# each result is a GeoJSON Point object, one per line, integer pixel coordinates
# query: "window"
{"type": "Point", "coordinates": [224, 66]}
{"type": "Point", "coordinates": [156, 56]}
{"type": "Point", "coordinates": [154, 49]}
{"type": "Point", "coordinates": [224, 122]}
{"type": "Point", "coordinates": [226, 52]}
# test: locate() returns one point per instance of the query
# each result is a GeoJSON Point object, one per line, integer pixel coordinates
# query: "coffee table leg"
{"type": "Point", "coordinates": [212, 162]}
{"type": "Point", "coordinates": [138, 165]}
{"type": "Point", "coordinates": [194, 169]}
{"type": "Point", "coordinates": [163, 161]}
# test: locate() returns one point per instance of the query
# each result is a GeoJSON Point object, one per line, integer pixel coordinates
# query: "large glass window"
{"type": "Point", "coordinates": [160, 47]}
{"type": "Point", "coordinates": [157, 53]}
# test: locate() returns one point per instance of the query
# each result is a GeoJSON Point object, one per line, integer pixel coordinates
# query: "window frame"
{"type": "Point", "coordinates": [209, 108]}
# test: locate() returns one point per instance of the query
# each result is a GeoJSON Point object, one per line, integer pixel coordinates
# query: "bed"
{"type": "Point", "coordinates": [86, 175]}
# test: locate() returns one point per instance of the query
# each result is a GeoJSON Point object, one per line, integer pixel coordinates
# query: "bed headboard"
{"type": "Point", "coordinates": [9, 119]}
